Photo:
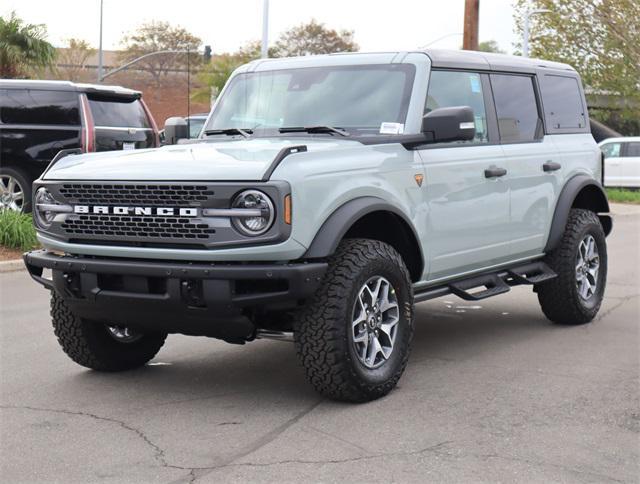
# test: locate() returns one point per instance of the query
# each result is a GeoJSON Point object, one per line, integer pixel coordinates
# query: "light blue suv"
{"type": "Point", "coordinates": [326, 196]}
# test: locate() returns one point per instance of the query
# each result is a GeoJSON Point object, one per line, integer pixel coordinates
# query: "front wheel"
{"type": "Point", "coordinates": [354, 338]}
{"type": "Point", "coordinates": [575, 296]}
{"type": "Point", "coordinates": [99, 346]}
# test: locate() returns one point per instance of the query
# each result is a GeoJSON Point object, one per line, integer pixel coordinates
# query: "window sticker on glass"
{"type": "Point", "coordinates": [475, 83]}
{"type": "Point", "coordinates": [128, 146]}
{"type": "Point", "coordinates": [391, 128]}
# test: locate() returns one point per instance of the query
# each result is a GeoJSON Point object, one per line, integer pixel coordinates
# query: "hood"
{"type": "Point", "coordinates": [233, 160]}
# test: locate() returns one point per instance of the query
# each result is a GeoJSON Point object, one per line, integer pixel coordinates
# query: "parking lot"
{"type": "Point", "coordinates": [493, 392]}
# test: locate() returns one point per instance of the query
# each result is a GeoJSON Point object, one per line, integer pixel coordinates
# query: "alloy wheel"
{"type": "Point", "coordinates": [376, 315]}
{"type": "Point", "coordinates": [587, 267]}
{"type": "Point", "coordinates": [11, 193]}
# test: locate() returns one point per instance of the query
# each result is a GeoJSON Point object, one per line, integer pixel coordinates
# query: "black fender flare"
{"type": "Point", "coordinates": [340, 221]}
{"type": "Point", "coordinates": [570, 192]}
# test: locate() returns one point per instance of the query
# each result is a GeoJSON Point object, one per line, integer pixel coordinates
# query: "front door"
{"type": "Point", "coordinates": [466, 184]}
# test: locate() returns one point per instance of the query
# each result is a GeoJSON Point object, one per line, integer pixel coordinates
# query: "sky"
{"type": "Point", "coordinates": [228, 24]}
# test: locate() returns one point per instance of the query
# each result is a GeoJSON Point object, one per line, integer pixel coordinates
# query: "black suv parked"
{"type": "Point", "coordinates": [40, 118]}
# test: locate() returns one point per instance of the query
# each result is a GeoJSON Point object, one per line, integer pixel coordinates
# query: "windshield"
{"type": "Point", "coordinates": [356, 98]}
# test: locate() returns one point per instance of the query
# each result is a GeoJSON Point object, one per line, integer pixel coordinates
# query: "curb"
{"type": "Point", "coordinates": [12, 265]}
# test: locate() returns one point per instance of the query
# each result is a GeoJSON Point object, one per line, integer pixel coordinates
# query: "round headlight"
{"type": "Point", "coordinates": [255, 224]}
{"type": "Point", "coordinates": [44, 199]}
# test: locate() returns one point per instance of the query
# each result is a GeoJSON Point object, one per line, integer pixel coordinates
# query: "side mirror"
{"type": "Point", "coordinates": [449, 124]}
{"type": "Point", "coordinates": [175, 128]}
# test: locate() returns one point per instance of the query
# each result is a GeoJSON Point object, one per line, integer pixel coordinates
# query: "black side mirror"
{"type": "Point", "coordinates": [455, 123]}
{"type": "Point", "coordinates": [175, 128]}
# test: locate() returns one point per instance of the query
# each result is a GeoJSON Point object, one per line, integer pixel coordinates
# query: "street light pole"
{"type": "Point", "coordinates": [265, 29]}
{"type": "Point", "coordinates": [100, 47]}
{"type": "Point", "coordinates": [527, 19]}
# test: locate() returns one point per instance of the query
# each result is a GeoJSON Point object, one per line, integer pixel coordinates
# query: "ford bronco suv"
{"type": "Point", "coordinates": [325, 197]}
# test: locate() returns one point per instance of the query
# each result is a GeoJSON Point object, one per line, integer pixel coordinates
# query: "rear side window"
{"type": "Point", "coordinates": [39, 107]}
{"type": "Point", "coordinates": [633, 149]}
{"type": "Point", "coordinates": [562, 103]}
{"type": "Point", "coordinates": [452, 88]}
{"type": "Point", "coordinates": [118, 113]}
{"type": "Point", "coordinates": [516, 107]}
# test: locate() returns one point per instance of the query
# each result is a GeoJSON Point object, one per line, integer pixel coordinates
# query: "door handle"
{"type": "Point", "coordinates": [494, 172]}
{"type": "Point", "coordinates": [551, 166]}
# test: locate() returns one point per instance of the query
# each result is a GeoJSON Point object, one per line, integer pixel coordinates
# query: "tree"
{"type": "Point", "coordinates": [314, 38]}
{"type": "Point", "coordinates": [72, 59]}
{"type": "Point", "coordinates": [490, 46]}
{"type": "Point", "coordinates": [24, 50]}
{"type": "Point", "coordinates": [600, 39]}
{"type": "Point", "coordinates": [214, 76]}
{"type": "Point", "coordinates": [156, 36]}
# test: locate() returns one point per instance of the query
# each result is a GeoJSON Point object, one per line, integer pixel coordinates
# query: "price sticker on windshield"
{"type": "Point", "coordinates": [391, 128]}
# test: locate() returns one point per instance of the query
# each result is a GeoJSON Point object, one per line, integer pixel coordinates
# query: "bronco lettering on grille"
{"type": "Point", "coordinates": [140, 211]}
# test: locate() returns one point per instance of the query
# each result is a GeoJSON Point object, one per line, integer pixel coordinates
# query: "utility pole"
{"type": "Point", "coordinates": [527, 21]}
{"type": "Point", "coordinates": [471, 14]}
{"type": "Point", "coordinates": [100, 47]}
{"type": "Point", "coordinates": [265, 29]}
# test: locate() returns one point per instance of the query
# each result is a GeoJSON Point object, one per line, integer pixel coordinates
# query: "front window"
{"type": "Point", "coordinates": [356, 98]}
{"type": "Point", "coordinates": [611, 150]}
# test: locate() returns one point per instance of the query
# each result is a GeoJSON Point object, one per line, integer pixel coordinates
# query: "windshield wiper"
{"type": "Point", "coordinates": [314, 129]}
{"type": "Point", "coordinates": [230, 132]}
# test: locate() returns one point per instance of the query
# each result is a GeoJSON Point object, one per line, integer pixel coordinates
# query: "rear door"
{"type": "Point", "coordinates": [468, 211]}
{"type": "Point", "coordinates": [121, 123]}
{"type": "Point", "coordinates": [534, 165]}
{"type": "Point", "coordinates": [630, 164]}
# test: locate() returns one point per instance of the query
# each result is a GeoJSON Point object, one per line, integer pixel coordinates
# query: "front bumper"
{"type": "Point", "coordinates": [210, 299]}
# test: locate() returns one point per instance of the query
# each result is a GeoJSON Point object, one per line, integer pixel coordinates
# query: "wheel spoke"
{"type": "Point", "coordinates": [12, 184]}
{"type": "Point", "coordinates": [373, 350]}
{"type": "Point", "coordinates": [374, 322]}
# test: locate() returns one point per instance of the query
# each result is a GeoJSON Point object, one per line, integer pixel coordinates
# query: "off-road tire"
{"type": "Point", "coordinates": [24, 180]}
{"type": "Point", "coordinates": [559, 297]}
{"type": "Point", "coordinates": [89, 343]}
{"type": "Point", "coordinates": [323, 343]}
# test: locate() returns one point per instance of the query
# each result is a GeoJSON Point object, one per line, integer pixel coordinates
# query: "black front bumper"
{"type": "Point", "coordinates": [216, 300]}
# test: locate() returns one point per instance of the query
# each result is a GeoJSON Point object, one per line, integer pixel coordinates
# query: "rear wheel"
{"type": "Point", "coordinates": [354, 338]}
{"type": "Point", "coordinates": [575, 296]}
{"type": "Point", "coordinates": [102, 347]}
{"type": "Point", "coordinates": [15, 190]}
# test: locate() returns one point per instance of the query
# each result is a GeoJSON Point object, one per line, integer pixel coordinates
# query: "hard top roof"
{"type": "Point", "coordinates": [459, 59]}
{"type": "Point", "coordinates": [68, 86]}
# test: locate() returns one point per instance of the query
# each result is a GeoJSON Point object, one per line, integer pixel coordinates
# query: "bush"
{"type": "Point", "coordinates": [17, 231]}
{"type": "Point", "coordinates": [623, 195]}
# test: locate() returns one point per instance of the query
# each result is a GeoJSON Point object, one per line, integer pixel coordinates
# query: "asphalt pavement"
{"type": "Point", "coordinates": [493, 392]}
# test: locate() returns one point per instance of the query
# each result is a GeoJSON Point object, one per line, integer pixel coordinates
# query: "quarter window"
{"type": "Point", "coordinates": [452, 88]}
{"type": "Point", "coordinates": [562, 101]}
{"type": "Point", "coordinates": [22, 106]}
{"type": "Point", "coordinates": [516, 107]}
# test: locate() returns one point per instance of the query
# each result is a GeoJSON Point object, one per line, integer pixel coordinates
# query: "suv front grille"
{"type": "Point", "coordinates": [139, 227]}
{"type": "Point", "coordinates": [116, 194]}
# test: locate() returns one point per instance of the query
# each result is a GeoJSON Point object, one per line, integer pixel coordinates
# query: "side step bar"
{"type": "Point", "coordinates": [483, 286]}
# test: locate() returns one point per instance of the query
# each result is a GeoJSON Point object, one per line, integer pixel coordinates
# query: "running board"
{"type": "Point", "coordinates": [483, 286]}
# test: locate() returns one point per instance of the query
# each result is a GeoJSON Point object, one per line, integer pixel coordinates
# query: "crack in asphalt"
{"type": "Point", "coordinates": [621, 301]}
{"type": "Point", "coordinates": [158, 453]}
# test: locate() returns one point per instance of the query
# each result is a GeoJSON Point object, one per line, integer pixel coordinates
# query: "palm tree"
{"type": "Point", "coordinates": [23, 48]}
